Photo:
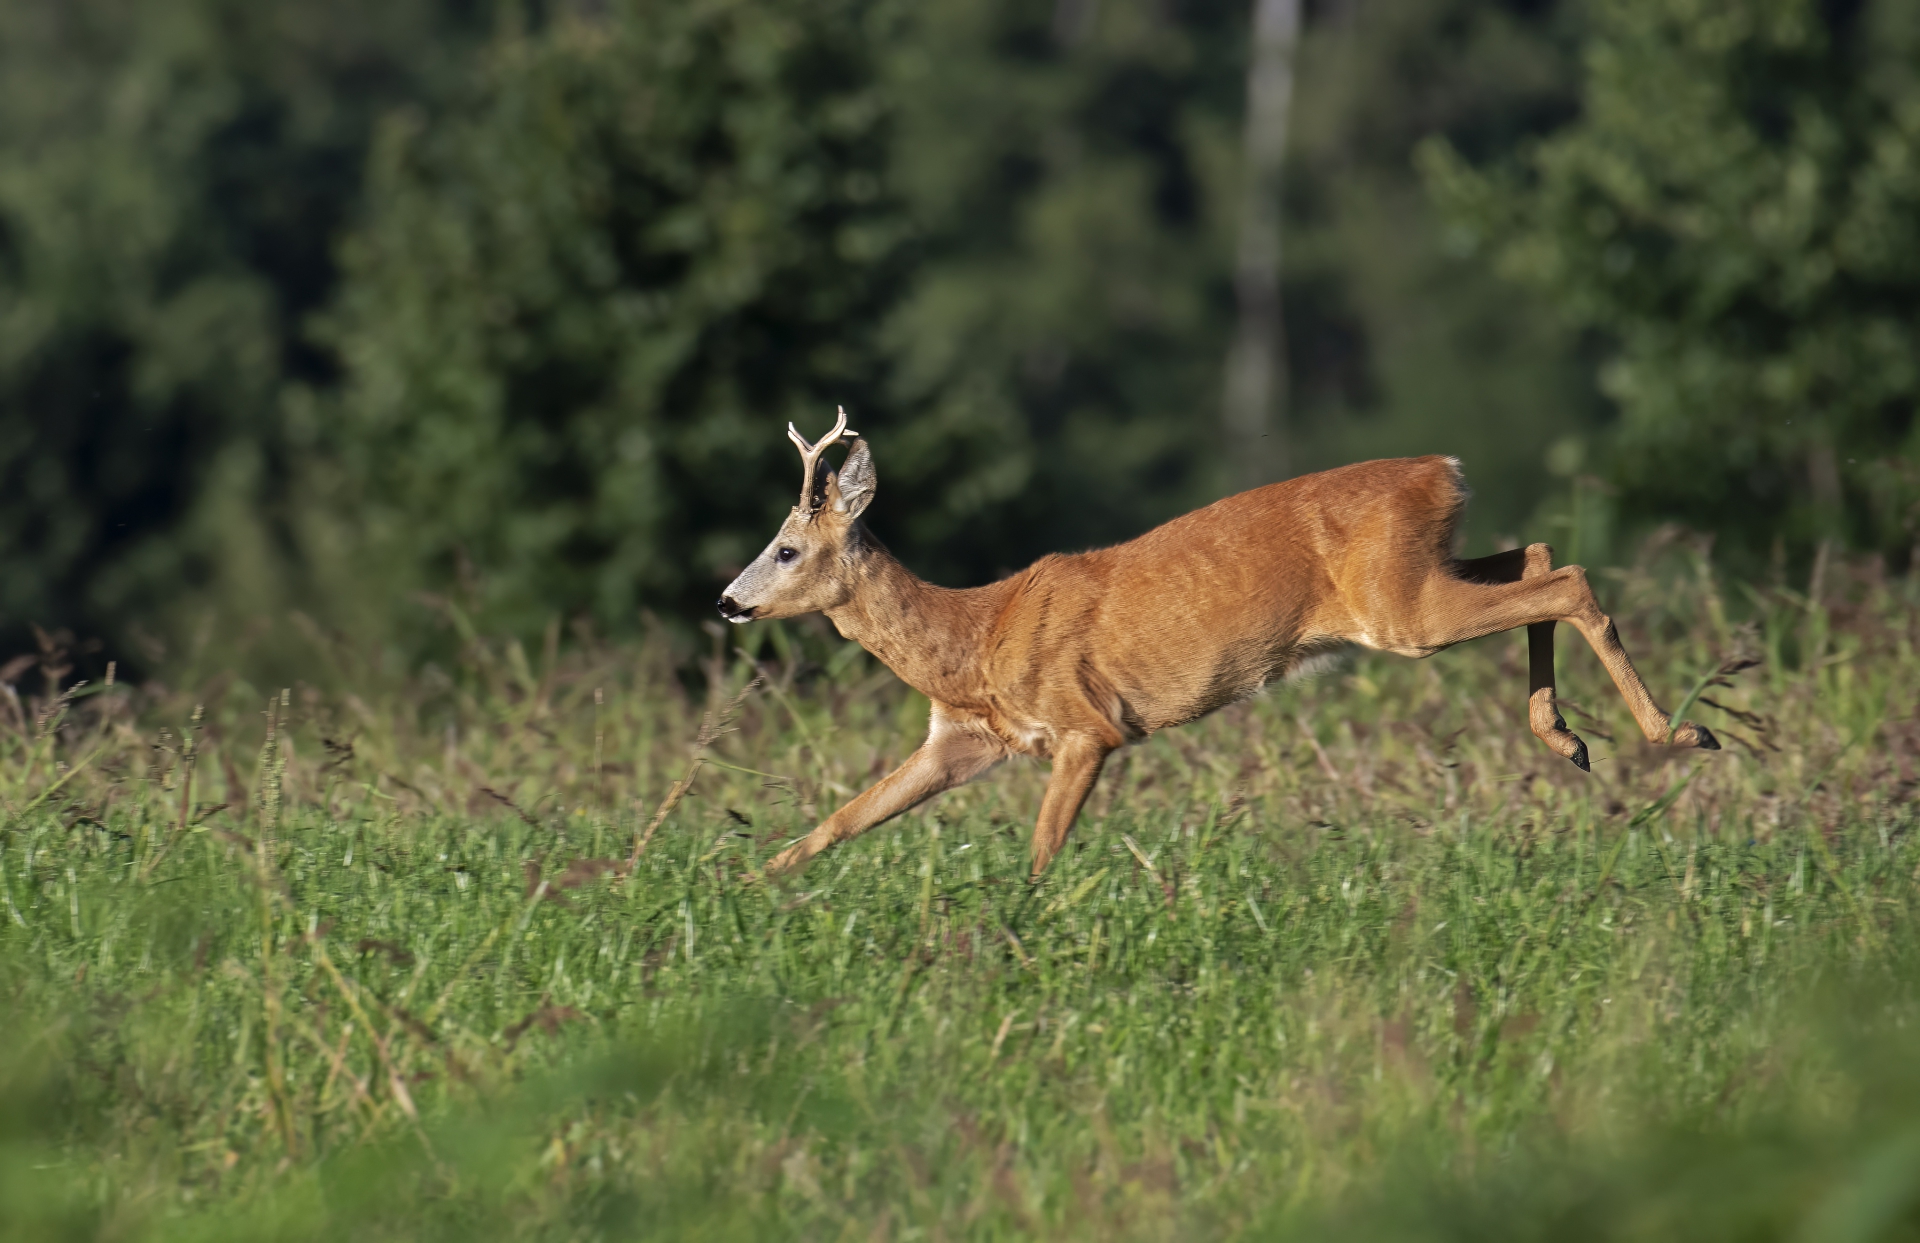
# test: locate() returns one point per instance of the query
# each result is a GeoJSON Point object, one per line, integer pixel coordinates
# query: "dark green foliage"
{"type": "Point", "coordinates": [603, 252]}
{"type": "Point", "coordinates": [588, 295]}
{"type": "Point", "coordinates": [1067, 165]}
{"type": "Point", "coordinates": [1399, 343]}
{"type": "Point", "coordinates": [1738, 208]}
{"type": "Point", "coordinates": [586, 302]}
{"type": "Point", "coordinates": [532, 350]}
{"type": "Point", "coordinates": [594, 287]}
{"type": "Point", "coordinates": [171, 177]}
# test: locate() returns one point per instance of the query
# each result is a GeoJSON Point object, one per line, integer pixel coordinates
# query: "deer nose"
{"type": "Point", "coordinates": [730, 610]}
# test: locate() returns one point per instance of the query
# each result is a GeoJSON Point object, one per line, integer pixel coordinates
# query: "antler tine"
{"type": "Point", "coordinates": [810, 453]}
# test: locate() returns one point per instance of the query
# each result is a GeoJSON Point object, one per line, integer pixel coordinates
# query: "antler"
{"type": "Point", "coordinates": [810, 454]}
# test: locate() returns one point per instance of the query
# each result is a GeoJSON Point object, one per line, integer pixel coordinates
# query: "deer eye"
{"type": "Point", "coordinates": [785, 555]}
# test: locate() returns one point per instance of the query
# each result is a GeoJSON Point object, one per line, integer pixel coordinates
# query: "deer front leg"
{"type": "Point", "coordinates": [952, 755]}
{"type": "Point", "coordinates": [1076, 766]}
{"type": "Point", "coordinates": [1543, 713]}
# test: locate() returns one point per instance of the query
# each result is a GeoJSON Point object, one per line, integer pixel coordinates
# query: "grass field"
{"type": "Point", "coordinates": [376, 957]}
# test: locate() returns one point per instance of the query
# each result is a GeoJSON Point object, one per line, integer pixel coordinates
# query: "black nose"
{"type": "Point", "coordinates": [729, 609]}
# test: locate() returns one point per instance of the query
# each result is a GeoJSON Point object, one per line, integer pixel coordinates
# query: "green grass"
{"type": "Point", "coordinates": [1357, 958]}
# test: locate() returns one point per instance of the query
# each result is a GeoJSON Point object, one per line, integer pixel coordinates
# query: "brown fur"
{"type": "Point", "coordinates": [1082, 653]}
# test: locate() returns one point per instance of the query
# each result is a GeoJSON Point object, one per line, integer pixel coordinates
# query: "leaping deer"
{"type": "Point", "coordinates": [1080, 654]}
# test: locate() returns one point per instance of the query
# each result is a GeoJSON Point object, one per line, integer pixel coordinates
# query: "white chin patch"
{"type": "Point", "coordinates": [739, 621]}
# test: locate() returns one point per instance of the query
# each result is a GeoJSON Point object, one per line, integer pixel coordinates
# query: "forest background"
{"type": "Point", "coordinates": [389, 310]}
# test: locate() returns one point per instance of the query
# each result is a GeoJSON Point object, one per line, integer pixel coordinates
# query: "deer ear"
{"type": "Point", "coordinates": [850, 491]}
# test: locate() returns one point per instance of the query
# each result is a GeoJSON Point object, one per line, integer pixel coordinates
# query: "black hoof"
{"type": "Point", "coordinates": [1698, 737]}
{"type": "Point", "coordinates": [1579, 756]}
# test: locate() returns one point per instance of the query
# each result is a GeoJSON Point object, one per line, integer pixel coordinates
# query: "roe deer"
{"type": "Point", "coordinates": [1082, 653]}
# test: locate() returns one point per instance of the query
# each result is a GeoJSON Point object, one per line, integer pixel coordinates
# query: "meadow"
{"type": "Point", "coordinates": [483, 951]}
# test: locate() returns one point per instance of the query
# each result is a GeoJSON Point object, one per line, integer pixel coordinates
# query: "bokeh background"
{"type": "Point", "coordinates": [385, 310]}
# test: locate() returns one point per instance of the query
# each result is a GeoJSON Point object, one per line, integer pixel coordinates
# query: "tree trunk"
{"type": "Point", "coordinates": [1255, 405]}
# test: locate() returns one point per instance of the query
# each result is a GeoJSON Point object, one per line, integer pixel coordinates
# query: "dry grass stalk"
{"type": "Point", "coordinates": [711, 727]}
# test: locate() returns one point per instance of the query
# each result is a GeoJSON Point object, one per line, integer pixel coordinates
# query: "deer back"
{"type": "Point", "coordinates": [1211, 606]}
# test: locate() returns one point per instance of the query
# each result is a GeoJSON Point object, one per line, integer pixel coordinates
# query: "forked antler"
{"type": "Point", "coordinates": [810, 454]}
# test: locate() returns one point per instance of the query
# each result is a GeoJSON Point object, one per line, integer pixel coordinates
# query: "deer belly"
{"type": "Point", "coordinates": [1186, 692]}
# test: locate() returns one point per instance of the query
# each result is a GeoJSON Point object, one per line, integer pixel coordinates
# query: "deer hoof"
{"type": "Point", "coordinates": [1579, 756]}
{"type": "Point", "coordinates": [1690, 735]}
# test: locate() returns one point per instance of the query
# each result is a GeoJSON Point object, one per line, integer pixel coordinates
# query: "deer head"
{"type": "Point", "coordinates": [806, 567]}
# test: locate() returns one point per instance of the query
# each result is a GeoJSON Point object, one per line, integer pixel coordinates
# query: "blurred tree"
{"type": "Point", "coordinates": [1077, 170]}
{"type": "Point", "coordinates": [586, 299]}
{"type": "Point", "coordinates": [1399, 343]}
{"type": "Point", "coordinates": [172, 173]}
{"type": "Point", "coordinates": [600, 258]}
{"type": "Point", "coordinates": [590, 291]}
{"type": "Point", "coordinates": [1254, 404]}
{"type": "Point", "coordinates": [587, 296]}
{"type": "Point", "coordinates": [1738, 209]}
{"type": "Point", "coordinates": [1069, 169]}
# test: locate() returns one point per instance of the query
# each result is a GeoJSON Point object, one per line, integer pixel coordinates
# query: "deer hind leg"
{"type": "Point", "coordinates": [1076, 766]}
{"type": "Point", "coordinates": [1454, 610]}
{"type": "Point", "coordinates": [1543, 713]}
{"type": "Point", "coordinates": [952, 755]}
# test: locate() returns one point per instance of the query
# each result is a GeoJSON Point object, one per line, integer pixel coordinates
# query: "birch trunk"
{"type": "Point", "coordinates": [1255, 403]}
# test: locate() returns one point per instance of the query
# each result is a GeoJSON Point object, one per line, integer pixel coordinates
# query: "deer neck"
{"type": "Point", "coordinates": [930, 636]}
